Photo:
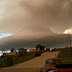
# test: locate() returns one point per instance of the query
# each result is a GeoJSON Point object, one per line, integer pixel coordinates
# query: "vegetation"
{"type": "Point", "coordinates": [66, 55]}
{"type": "Point", "coordinates": [6, 61]}
{"type": "Point", "coordinates": [67, 62]}
{"type": "Point", "coordinates": [38, 53]}
{"type": "Point", "coordinates": [22, 51]}
{"type": "Point", "coordinates": [40, 47]}
{"type": "Point", "coordinates": [12, 50]}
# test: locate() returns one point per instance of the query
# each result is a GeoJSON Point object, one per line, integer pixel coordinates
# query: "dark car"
{"type": "Point", "coordinates": [50, 64]}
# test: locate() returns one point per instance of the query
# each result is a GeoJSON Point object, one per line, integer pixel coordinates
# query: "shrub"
{"type": "Point", "coordinates": [37, 54]}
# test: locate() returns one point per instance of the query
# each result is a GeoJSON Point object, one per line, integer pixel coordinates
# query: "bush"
{"type": "Point", "coordinates": [6, 61]}
{"type": "Point", "coordinates": [37, 54]}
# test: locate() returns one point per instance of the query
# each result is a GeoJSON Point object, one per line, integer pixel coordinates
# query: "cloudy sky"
{"type": "Point", "coordinates": [34, 19]}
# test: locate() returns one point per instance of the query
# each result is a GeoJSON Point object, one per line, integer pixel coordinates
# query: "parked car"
{"type": "Point", "coordinates": [50, 64]}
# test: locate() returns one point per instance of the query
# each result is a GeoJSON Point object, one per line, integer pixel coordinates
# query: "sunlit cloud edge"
{"type": "Point", "coordinates": [3, 35]}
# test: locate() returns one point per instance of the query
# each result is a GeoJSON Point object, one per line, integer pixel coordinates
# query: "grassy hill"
{"type": "Point", "coordinates": [66, 55]}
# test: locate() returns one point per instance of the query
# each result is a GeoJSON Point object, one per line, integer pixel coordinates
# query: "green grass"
{"type": "Point", "coordinates": [66, 55]}
{"type": "Point", "coordinates": [67, 62]}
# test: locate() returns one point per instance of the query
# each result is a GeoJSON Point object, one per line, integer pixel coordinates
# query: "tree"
{"type": "Point", "coordinates": [12, 50]}
{"type": "Point", "coordinates": [22, 51]}
{"type": "Point", "coordinates": [40, 47]}
{"type": "Point", "coordinates": [43, 47]}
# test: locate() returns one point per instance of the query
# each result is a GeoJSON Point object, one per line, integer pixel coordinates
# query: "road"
{"type": "Point", "coordinates": [32, 65]}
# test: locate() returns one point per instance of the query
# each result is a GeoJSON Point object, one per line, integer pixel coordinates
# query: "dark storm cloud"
{"type": "Point", "coordinates": [54, 14]}
{"type": "Point", "coordinates": [34, 19]}
{"type": "Point", "coordinates": [36, 15]}
{"type": "Point", "coordinates": [50, 42]}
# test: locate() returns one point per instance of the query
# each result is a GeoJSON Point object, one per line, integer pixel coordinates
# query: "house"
{"type": "Point", "coordinates": [32, 50]}
{"type": "Point", "coordinates": [11, 54]}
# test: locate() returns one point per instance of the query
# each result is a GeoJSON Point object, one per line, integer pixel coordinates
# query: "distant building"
{"type": "Point", "coordinates": [32, 50]}
{"type": "Point", "coordinates": [11, 54]}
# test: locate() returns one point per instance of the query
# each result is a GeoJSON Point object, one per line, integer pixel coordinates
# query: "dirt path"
{"type": "Point", "coordinates": [31, 65]}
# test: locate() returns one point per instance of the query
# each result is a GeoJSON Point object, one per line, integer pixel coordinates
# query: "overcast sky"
{"type": "Point", "coordinates": [34, 18]}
